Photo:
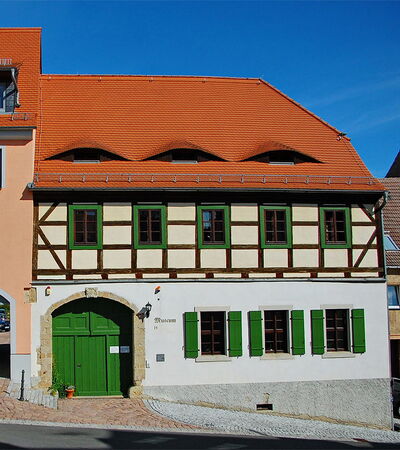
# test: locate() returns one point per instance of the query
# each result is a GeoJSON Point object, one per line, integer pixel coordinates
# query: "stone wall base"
{"type": "Point", "coordinates": [356, 401]}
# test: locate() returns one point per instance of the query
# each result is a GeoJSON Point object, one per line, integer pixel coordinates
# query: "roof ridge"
{"type": "Point", "coordinates": [159, 77]}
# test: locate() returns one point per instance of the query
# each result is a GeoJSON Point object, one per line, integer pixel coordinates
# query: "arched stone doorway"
{"type": "Point", "coordinates": [106, 301]}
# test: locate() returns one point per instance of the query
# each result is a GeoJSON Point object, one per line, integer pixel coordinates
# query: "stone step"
{"type": "Point", "coordinates": [35, 396]}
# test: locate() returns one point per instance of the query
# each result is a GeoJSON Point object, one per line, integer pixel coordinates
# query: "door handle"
{"type": "Point", "coordinates": [78, 366]}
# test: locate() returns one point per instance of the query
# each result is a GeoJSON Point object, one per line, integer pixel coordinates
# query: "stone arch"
{"type": "Point", "coordinates": [45, 352]}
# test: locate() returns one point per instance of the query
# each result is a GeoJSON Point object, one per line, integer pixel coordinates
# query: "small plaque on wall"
{"type": "Point", "coordinates": [160, 357]}
{"type": "Point", "coordinates": [114, 349]}
{"type": "Point", "coordinates": [124, 349]}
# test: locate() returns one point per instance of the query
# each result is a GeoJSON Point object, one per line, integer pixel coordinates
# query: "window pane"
{"type": "Point", "coordinates": [92, 238]}
{"type": "Point", "coordinates": [213, 226]}
{"type": "Point", "coordinates": [337, 329]}
{"type": "Point", "coordinates": [335, 226]}
{"type": "Point", "coordinates": [275, 226]}
{"type": "Point", "coordinates": [393, 297]}
{"type": "Point", "coordinates": [212, 333]}
{"type": "Point", "coordinates": [275, 327]}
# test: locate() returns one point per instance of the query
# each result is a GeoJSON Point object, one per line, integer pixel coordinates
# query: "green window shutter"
{"type": "Point", "coordinates": [191, 335]}
{"type": "Point", "coordinates": [317, 331]}
{"type": "Point", "coordinates": [256, 343]}
{"type": "Point", "coordinates": [298, 339]}
{"type": "Point", "coordinates": [358, 326]}
{"type": "Point", "coordinates": [235, 333]}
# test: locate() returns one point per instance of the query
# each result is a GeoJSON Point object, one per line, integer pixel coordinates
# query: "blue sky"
{"type": "Point", "coordinates": [340, 59]}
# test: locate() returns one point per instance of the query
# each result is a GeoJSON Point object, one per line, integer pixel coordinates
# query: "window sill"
{"type": "Point", "coordinates": [276, 356]}
{"type": "Point", "coordinates": [213, 358]}
{"type": "Point", "coordinates": [329, 355]}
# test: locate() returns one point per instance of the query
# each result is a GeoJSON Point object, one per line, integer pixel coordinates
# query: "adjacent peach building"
{"type": "Point", "coordinates": [20, 67]}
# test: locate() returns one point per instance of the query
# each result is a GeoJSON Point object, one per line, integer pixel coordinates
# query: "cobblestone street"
{"type": "Point", "coordinates": [114, 411]}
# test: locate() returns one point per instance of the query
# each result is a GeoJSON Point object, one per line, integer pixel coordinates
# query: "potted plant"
{"type": "Point", "coordinates": [70, 391]}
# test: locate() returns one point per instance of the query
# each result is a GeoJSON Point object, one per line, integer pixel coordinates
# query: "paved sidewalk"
{"type": "Point", "coordinates": [114, 412]}
{"type": "Point", "coordinates": [256, 423]}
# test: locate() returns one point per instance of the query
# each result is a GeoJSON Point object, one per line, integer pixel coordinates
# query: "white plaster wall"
{"type": "Point", "coordinates": [244, 211]}
{"type": "Point", "coordinates": [244, 235]}
{"type": "Point", "coordinates": [84, 259]}
{"type": "Point", "coordinates": [305, 235]}
{"type": "Point", "coordinates": [181, 234]}
{"type": "Point", "coordinates": [213, 258]}
{"type": "Point", "coordinates": [275, 257]}
{"type": "Point", "coordinates": [244, 258]}
{"type": "Point", "coordinates": [370, 259]}
{"type": "Point", "coordinates": [335, 257]}
{"type": "Point", "coordinates": [56, 235]}
{"type": "Point", "coordinates": [46, 260]}
{"type": "Point", "coordinates": [117, 211]}
{"type": "Point", "coordinates": [181, 211]}
{"type": "Point", "coordinates": [361, 235]}
{"type": "Point", "coordinates": [117, 235]}
{"type": "Point", "coordinates": [59, 212]}
{"type": "Point", "coordinates": [181, 258]}
{"type": "Point", "coordinates": [358, 215]}
{"type": "Point", "coordinates": [149, 258]}
{"type": "Point", "coordinates": [241, 295]}
{"type": "Point", "coordinates": [116, 259]}
{"type": "Point", "coordinates": [305, 213]}
{"type": "Point", "coordinates": [305, 258]}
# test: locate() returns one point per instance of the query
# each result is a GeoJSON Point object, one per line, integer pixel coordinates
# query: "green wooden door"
{"type": "Point", "coordinates": [92, 346]}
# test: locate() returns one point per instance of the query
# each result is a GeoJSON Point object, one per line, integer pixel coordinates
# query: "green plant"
{"type": "Point", "coordinates": [58, 384]}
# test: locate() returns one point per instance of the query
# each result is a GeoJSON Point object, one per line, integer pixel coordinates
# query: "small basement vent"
{"type": "Point", "coordinates": [264, 407]}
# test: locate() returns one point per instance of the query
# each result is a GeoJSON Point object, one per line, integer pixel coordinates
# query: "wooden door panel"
{"type": "Point", "coordinates": [91, 370]}
{"type": "Point", "coordinates": [64, 359]}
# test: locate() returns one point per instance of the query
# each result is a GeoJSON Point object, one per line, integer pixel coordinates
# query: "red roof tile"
{"type": "Point", "coordinates": [22, 47]}
{"type": "Point", "coordinates": [138, 117]}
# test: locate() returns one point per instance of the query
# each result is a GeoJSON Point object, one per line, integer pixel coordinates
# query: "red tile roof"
{"type": "Point", "coordinates": [139, 116]}
{"type": "Point", "coordinates": [22, 47]}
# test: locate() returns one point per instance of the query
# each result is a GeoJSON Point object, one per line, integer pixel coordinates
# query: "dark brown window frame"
{"type": "Point", "coordinates": [213, 231]}
{"type": "Point", "coordinates": [149, 226]}
{"type": "Point", "coordinates": [274, 225]}
{"type": "Point", "coordinates": [277, 334]}
{"type": "Point", "coordinates": [212, 334]}
{"type": "Point", "coordinates": [334, 224]}
{"type": "Point", "coordinates": [340, 332]}
{"type": "Point", "coordinates": [85, 222]}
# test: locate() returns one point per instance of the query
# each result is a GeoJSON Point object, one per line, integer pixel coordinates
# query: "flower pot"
{"type": "Point", "coordinates": [70, 392]}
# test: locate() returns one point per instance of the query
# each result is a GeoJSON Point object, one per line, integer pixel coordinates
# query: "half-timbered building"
{"type": "Point", "coordinates": [205, 240]}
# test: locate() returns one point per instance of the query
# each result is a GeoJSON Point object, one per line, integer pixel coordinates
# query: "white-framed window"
{"type": "Point", "coordinates": [393, 296]}
{"type": "Point", "coordinates": [2, 167]}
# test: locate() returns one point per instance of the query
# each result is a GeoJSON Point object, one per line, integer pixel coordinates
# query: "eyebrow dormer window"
{"type": "Point", "coordinates": [283, 157]}
{"type": "Point", "coordinates": [86, 156]}
{"type": "Point", "coordinates": [184, 156]}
